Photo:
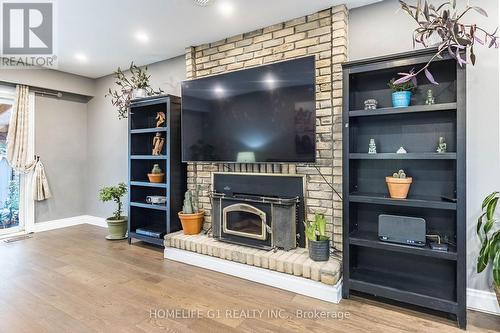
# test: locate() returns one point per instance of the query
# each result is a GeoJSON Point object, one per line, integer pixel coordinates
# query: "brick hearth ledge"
{"type": "Point", "coordinates": [294, 262]}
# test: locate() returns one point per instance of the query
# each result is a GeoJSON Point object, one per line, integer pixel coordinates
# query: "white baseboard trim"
{"type": "Point", "coordinates": [68, 222]}
{"type": "Point", "coordinates": [484, 301]}
{"type": "Point", "coordinates": [97, 221]}
{"type": "Point", "coordinates": [284, 281]}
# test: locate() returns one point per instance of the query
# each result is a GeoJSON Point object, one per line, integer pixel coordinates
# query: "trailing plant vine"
{"type": "Point", "coordinates": [139, 80]}
{"type": "Point", "coordinates": [444, 23]}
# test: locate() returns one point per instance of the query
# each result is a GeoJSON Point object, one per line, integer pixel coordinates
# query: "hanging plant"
{"type": "Point", "coordinates": [139, 80]}
{"type": "Point", "coordinates": [443, 23]}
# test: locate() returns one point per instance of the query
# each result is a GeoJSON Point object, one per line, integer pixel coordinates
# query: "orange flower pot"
{"type": "Point", "coordinates": [192, 223]}
{"type": "Point", "coordinates": [398, 187]}
{"type": "Point", "coordinates": [156, 177]}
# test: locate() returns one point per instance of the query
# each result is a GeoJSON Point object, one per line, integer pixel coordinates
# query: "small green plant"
{"type": "Point", "coordinates": [316, 230]}
{"type": "Point", "coordinates": [114, 193]}
{"type": "Point", "coordinates": [400, 174]}
{"type": "Point", "coordinates": [405, 86]}
{"type": "Point", "coordinates": [139, 80]}
{"type": "Point", "coordinates": [191, 203]}
{"type": "Point", "coordinates": [156, 169]}
{"type": "Point", "coordinates": [490, 238]}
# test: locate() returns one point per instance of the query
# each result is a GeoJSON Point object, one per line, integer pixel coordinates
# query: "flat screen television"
{"type": "Point", "coordinates": [264, 114]}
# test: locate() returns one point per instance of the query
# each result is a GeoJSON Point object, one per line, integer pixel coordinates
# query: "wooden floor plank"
{"type": "Point", "coordinates": [73, 280]}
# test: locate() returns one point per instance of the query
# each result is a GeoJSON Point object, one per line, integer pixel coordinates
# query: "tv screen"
{"type": "Point", "coordinates": [259, 115]}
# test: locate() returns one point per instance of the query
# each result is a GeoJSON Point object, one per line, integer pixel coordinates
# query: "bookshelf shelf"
{"type": "Point", "coordinates": [407, 274]}
{"type": "Point", "coordinates": [146, 219]}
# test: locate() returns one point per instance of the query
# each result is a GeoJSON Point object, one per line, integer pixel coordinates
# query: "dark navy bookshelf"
{"type": "Point", "coordinates": [418, 276]}
{"type": "Point", "coordinates": [142, 129]}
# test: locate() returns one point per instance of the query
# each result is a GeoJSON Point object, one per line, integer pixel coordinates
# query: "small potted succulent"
{"type": "Point", "coordinates": [398, 185]}
{"type": "Point", "coordinates": [156, 175]}
{"type": "Point", "coordinates": [490, 240]}
{"type": "Point", "coordinates": [191, 216]}
{"type": "Point", "coordinates": [117, 224]}
{"type": "Point", "coordinates": [137, 86]}
{"type": "Point", "coordinates": [401, 95]}
{"type": "Point", "coordinates": [317, 241]}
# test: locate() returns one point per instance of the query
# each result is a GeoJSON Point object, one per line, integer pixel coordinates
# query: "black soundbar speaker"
{"type": "Point", "coordinates": [401, 229]}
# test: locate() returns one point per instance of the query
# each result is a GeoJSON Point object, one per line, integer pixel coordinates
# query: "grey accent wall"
{"type": "Point", "coordinates": [107, 136]}
{"type": "Point", "coordinates": [381, 29]}
{"type": "Point", "coordinates": [61, 142]}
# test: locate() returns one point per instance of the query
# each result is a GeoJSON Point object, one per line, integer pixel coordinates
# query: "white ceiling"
{"type": "Point", "coordinates": [104, 31]}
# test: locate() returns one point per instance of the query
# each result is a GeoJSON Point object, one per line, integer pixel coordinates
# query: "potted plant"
{"type": "Point", "coordinates": [191, 216]}
{"type": "Point", "coordinates": [490, 240]}
{"type": "Point", "coordinates": [398, 185]}
{"type": "Point", "coordinates": [156, 175]}
{"type": "Point", "coordinates": [401, 95]}
{"type": "Point", "coordinates": [443, 25]}
{"type": "Point", "coordinates": [317, 241]}
{"type": "Point", "coordinates": [137, 86]}
{"type": "Point", "coordinates": [117, 224]}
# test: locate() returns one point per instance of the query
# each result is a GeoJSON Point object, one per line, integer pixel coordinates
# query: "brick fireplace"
{"type": "Point", "coordinates": [260, 211]}
{"type": "Point", "coordinates": [322, 34]}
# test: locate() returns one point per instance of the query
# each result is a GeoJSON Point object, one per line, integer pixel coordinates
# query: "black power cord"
{"type": "Point", "coordinates": [326, 181]}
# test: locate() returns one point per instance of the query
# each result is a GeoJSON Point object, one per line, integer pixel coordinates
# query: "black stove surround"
{"type": "Point", "coordinates": [259, 210]}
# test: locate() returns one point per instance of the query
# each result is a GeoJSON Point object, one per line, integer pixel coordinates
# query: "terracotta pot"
{"type": "Point", "coordinates": [117, 228]}
{"type": "Point", "coordinates": [192, 223]}
{"type": "Point", "coordinates": [156, 177]}
{"type": "Point", "coordinates": [398, 187]}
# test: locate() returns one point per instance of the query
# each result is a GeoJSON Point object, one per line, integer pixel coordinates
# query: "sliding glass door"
{"type": "Point", "coordinates": [10, 180]}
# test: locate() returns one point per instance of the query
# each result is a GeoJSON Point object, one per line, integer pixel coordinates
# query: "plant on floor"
{"type": "Point", "coordinates": [490, 240]}
{"type": "Point", "coordinates": [192, 216]}
{"type": "Point", "coordinates": [442, 25]}
{"type": "Point", "coordinates": [117, 224]}
{"type": "Point", "coordinates": [318, 241]}
{"type": "Point", "coordinates": [114, 193]}
{"type": "Point", "coordinates": [139, 80]}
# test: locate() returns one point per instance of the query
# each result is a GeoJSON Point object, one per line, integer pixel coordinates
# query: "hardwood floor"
{"type": "Point", "coordinates": [73, 280]}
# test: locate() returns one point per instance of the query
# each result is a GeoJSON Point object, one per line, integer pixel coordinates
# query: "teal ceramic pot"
{"type": "Point", "coordinates": [401, 99]}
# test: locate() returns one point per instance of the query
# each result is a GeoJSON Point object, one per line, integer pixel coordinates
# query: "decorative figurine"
{"type": "Point", "coordinates": [371, 104]}
{"type": "Point", "coordinates": [372, 147]}
{"type": "Point", "coordinates": [430, 98]}
{"type": "Point", "coordinates": [401, 150]}
{"type": "Point", "coordinates": [158, 143]}
{"type": "Point", "coordinates": [160, 119]}
{"type": "Point", "coordinates": [442, 146]}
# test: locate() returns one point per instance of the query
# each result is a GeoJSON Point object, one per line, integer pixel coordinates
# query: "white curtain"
{"type": "Point", "coordinates": [19, 149]}
{"type": "Point", "coordinates": [17, 137]}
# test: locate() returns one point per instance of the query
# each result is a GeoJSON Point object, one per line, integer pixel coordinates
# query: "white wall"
{"type": "Point", "coordinates": [381, 29]}
{"type": "Point", "coordinates": [107, 136]}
